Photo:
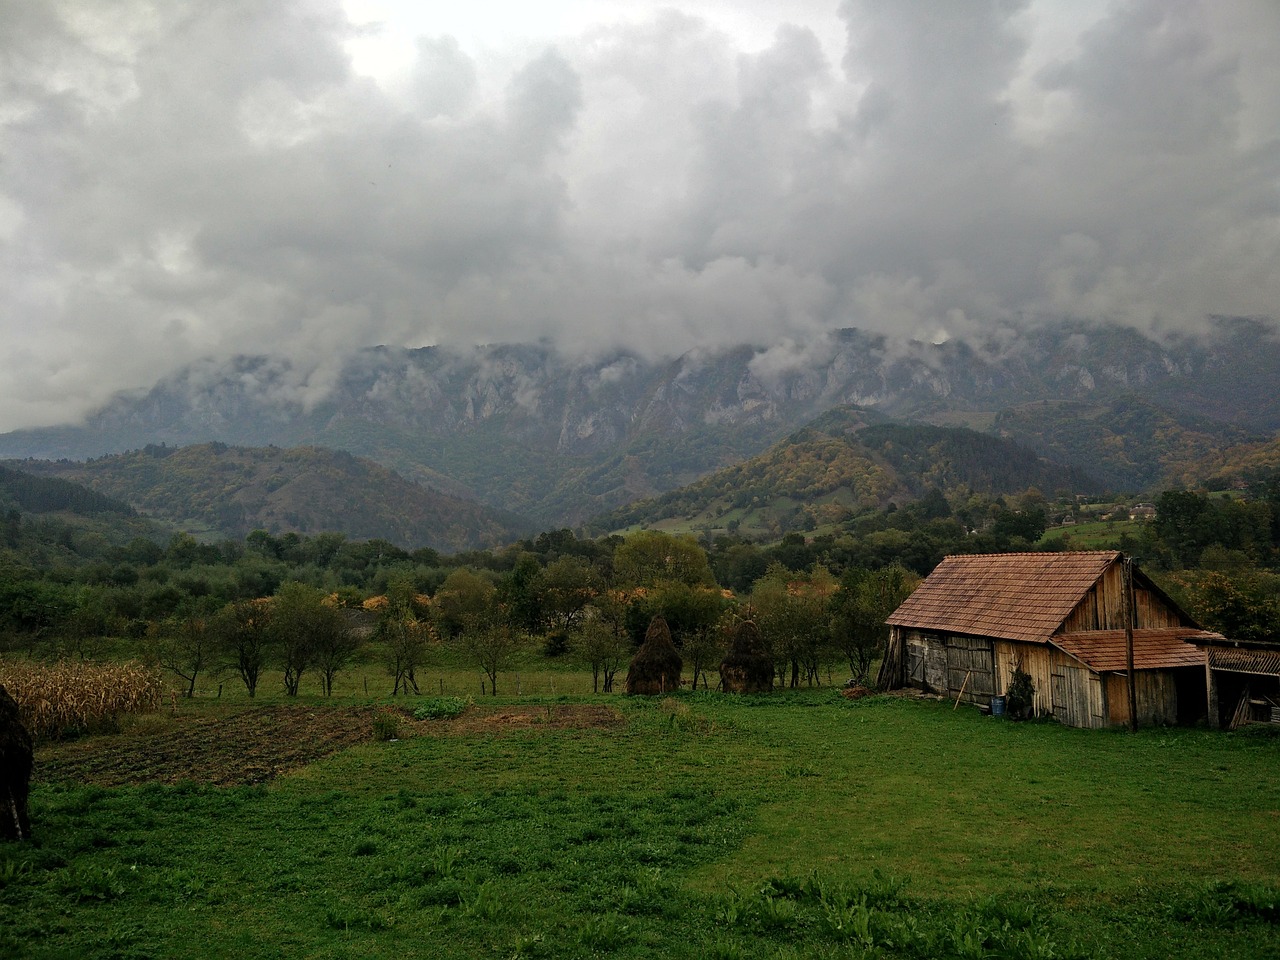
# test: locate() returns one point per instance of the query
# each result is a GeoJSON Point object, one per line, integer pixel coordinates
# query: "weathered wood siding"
{"type": "Point", "coordinates": [970, 668]}
{"type": "Point", "coordinates": [926, 661]}
{"type": "Point", "coordinates": [939, 663]}
{"type": "Point", "coordinates": [1035, 662]}
{"type": "Point", "coordinates": [1103, 606]}
{"type": "Point", "coordinates": [1078, 699]}
{"type": "Point", "coordinates": [1156, 692]}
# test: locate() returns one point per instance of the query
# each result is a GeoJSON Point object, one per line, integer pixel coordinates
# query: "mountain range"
{"type": "Point", "coordinates": [540, 434]}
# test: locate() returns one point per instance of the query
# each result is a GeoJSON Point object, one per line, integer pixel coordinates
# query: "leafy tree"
{"type": "Point", "coordinates": [602, 646]}
{"type": "Point", "coordinates": [563, 591]}
{"type": "Point", "coordinates": [650, 557]}
{"type": "Point", "coordinates": [1241, 607]}
{"type": "Point", "coordinates": [243, 636]}
{"type": "Point", "coordinates": [335, 643]}
{"type": "Point", "coordinates": [859, 609]}
{"type": "Point", "coordinates": [405, 636]}
{"type": "Point", "coordinates": [791, 613]}
{"type": "Point", "coordinates": [465, 596]}
{"type": "Point", "coordinates": [184, 647]}
{"type": "Point", "coordinates": [302, 622]}
{"type": "Point", "coordinates": [519, 593]}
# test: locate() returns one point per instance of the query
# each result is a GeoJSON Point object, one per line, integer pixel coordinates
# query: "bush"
{"type": "Point", "coordinates": [386, 727]}
{"type": "Point", "coordinates": [1020, 697]}
{"type": "Point", "coordinates": [440, 708]}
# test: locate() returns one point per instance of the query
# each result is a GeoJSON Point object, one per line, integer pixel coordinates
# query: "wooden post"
{"type": "Point", "coordinates": [961, 693]}
{"type": "Point", "coordinates": [1126, 580]}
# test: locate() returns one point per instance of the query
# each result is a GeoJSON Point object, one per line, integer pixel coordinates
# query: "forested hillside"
{"type": "Point", "coordinates": [35, 494]}
{"type": "Point", "coordinates": [220, 491]}
{"type": "Point", "coordinates": [1128, 443]}
{"type": "Point", "coordinates": [842, 465]}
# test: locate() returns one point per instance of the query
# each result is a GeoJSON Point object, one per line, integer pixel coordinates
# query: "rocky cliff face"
{"type": "Point", "coordinates": [529, 428]}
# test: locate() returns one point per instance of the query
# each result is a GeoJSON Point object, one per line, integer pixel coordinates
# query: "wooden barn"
{"type": "Point", "coordinates": [1060, 617]}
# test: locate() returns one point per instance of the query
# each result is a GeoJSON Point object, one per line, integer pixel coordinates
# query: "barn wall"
{"type": "Point", "coordinates": [1157, 696]}
{"type": "Point", "coordinates": [970, 669]}
{"type": "Point", "coordinates": [1035, 662]}
{"type": "Point", "coordinates": [1103, 606]}
{"type": "Point", "coordinates": [940, 663]}
{"type": "Point", "coordinates": [1078, 698]}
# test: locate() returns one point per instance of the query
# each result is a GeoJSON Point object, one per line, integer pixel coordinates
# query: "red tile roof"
{"type": "Point", "coordinates": [1153, 648]}
{"type": "Point", "coordinates": [1012, 596]}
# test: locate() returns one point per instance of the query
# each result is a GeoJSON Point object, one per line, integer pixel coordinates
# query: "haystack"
{"type": "Point", "coordinates": [656, 666]}
{"type": "Point", "coordinates": [747, 667]}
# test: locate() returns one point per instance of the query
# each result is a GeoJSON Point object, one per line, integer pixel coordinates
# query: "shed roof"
{"type": "Point", "coordinates": [1154, 648]}
{"type": "Point", "coordinates": [1012, 596]}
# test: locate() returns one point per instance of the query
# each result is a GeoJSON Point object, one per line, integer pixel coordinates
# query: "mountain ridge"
{"type": "Point", "coordinates": [529, 429]}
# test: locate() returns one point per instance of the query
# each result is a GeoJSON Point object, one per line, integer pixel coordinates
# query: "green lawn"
{"type": "Point", "coordinates": [796, 825]}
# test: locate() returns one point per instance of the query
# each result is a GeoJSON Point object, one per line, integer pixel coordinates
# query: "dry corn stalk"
{"type": "Point", "coordinates": [67, 698]}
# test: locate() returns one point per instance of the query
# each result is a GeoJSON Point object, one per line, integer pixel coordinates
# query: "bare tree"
{"type": "Point", "coordinates": [493, 646]}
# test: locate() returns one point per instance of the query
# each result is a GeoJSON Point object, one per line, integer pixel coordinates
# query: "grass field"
{"type": "Point", "coordinates": [795, 825]}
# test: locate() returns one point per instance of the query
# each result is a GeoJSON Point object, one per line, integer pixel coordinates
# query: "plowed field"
{"type": "Point", "coordinates": [262, 743]}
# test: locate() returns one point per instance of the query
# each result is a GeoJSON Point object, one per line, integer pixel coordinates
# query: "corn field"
{"type": "Point", "coordinates": [67, 699]}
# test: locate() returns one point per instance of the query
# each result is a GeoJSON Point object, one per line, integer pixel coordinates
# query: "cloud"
{"type": "Point", "coordinates": [189, 183]}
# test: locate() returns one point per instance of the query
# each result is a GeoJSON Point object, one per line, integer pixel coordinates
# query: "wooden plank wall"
{"type": "Point", "coordinates": [1103, 607]}
{"type": "Point", "coordinates": [1078, 699]}
{"type": "Point", "coordinates": [970, 668]}
{"type": "Point", "coordinates": [1157, 696]}
{"type": "Point", "coordinates": [1035, 661]}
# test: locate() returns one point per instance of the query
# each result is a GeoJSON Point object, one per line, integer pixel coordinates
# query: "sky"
{"type": "Point", "coordinates": [188, 181]}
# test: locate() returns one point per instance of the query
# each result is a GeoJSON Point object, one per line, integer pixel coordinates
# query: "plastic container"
{"type": "Point", "coordinates": [997, 706]}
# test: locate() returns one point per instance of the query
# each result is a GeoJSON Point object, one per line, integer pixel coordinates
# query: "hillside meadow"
{"type": "Point", "coordinates": [796, 824]}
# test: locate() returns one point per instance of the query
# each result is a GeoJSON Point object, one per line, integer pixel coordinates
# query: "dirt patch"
{"type": "Point", "coordinates": [260, 744]}
{"type": "Point", "coordinates": [559, 716]}
{"type": "Point", "coordinates": [243, 748]}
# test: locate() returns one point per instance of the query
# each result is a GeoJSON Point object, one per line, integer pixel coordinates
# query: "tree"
{"type": "Point", "coordinates": [406, 636]}
{"type": "Point", "coordinates": [692, 613]}
{"type": "Point", "coordinates": [183, 647]}
{"type": "Point", "coordinates": [859, 609]}
{"type": "Point", "coordinates": [650, 557]}
{"type": "Point", "coordinates": [335, 643]}
{"type": "Point", "coordinates": [790, 609]}
{"type": "Point", "coordinates": [563, 591]}
{"type": "Point", "coordinates": [464, 597]}
{"type": "Point", "coordinates": [242, 634]}
{"type": "Point", "coordinates": [309, 630]}
{"type": "Point", "coordinates": [492, 645]}
{"type": "Point", "coordinates": [603, 647]}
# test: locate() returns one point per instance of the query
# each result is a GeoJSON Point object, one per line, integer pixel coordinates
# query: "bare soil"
{"type": "Point", "coordinates": [262, 743]}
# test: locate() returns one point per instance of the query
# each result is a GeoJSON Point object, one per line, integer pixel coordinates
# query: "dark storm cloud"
{"type": "Point", "coordinates": [193, 182]}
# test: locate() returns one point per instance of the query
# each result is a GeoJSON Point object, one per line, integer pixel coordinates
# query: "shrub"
{"type": "Point", "coordinates": [386, 727]}
{"type": "Point", "coordinates": [440, 708]}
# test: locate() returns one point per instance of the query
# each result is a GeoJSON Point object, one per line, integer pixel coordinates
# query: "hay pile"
{"type": "Point", "coordinates": [655, 669]}
{"type": "Point", "coordinates": [747, 667]}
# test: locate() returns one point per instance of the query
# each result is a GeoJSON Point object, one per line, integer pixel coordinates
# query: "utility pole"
{"type": "Point", "coordinates": [1126, 580]}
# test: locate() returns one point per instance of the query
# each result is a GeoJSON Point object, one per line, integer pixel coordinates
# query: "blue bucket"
{"type": "Point", "coordinates": [997, 706]}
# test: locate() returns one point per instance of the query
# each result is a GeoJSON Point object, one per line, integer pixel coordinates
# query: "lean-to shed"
{"type": "Point", "coordinates": [1243, 680]}
{"type": "Point", "coordinates": [1060, 617]}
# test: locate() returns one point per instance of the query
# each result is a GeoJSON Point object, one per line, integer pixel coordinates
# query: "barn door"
{"type": "Point", "coordinates": [970, 658]}
{"type": "Point", "coordinates": [1077, 696]}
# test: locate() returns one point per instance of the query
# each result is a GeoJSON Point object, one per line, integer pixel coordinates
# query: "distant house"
{"type": "Point", "coordinates": [1060, 618]}
{"type": "Point", "coordinates": [1142, 511]}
